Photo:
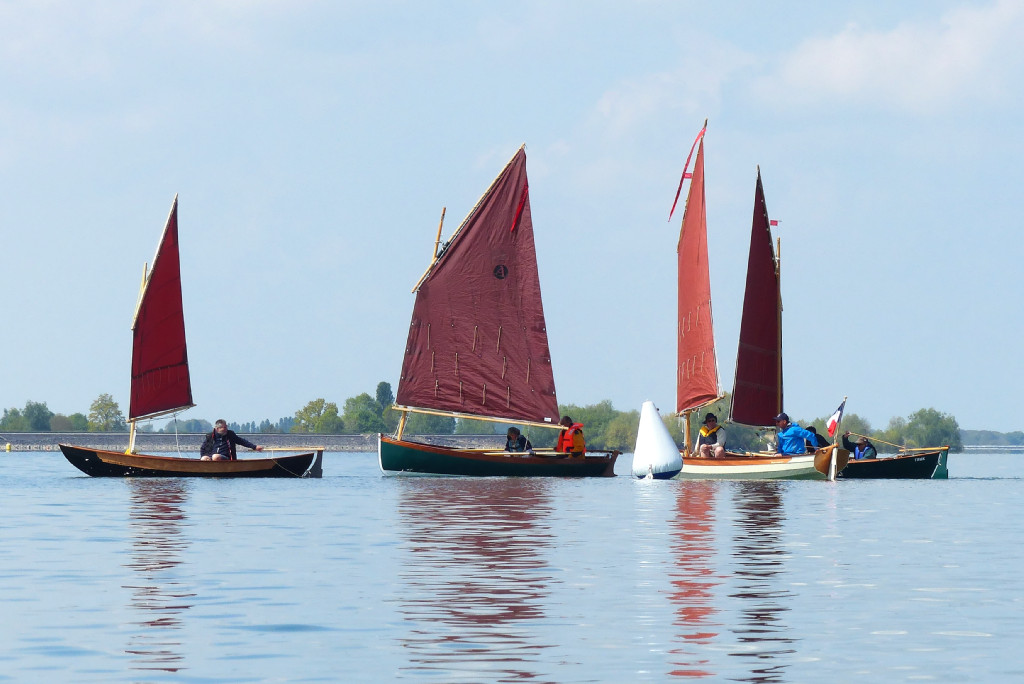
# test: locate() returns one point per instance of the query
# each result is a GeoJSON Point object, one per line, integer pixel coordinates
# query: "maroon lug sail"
{"type": "Point", "coordinates": [697, 369]}
{"type": "Point", "coordinates": [160, 377]}
{"type": "Point", "coordinates": [478, 342]}
{"type": "Point", "coordinates": [757, 392]}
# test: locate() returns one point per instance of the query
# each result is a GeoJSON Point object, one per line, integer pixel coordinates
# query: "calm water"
{"type": "Point", "coordinates": [363, 578]}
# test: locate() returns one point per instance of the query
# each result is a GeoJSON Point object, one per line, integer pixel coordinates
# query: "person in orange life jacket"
{"type": "Point", "coordinates": [711, 440]}
{"type": "Point", "coordinates": [862, 449]}
{"type": "Point", "coordinates": [814, 445]}
{"type": "Point", "coordinates": [791, 438]}
{"type": "Point", "coordinates": [219, 445]}
{"type": "Point", "coordinates": [571, 441]}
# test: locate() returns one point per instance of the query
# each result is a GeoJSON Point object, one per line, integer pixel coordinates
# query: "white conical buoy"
{"type": "Point", "coordinates": [655, 453]}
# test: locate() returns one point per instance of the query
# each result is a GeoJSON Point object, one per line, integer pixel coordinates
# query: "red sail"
{"type": "Point", "coordinates": [697, 370]}
{"type": "Point", "coordinates": [160, 378]}
{"type": "Point", "coordinates": [478, 343]}
{"type": "Point", "coordinates": [757, 392]}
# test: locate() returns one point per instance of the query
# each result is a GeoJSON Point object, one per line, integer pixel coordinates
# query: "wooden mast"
{"type": "Point", "coordinates": [142, 288]}
{"type": "Point", "coordinates": [437, 242]}
{"type": "Point", "coordinates": [778, 314]}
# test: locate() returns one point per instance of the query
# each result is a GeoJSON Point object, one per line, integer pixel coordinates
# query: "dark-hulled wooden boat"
{"type": "Point", "coordinates": [757, 390]}
{"type": "Point", "coordinates": [425, 459]}
{"type": "Point", "coordinates": [478, 345]}
{"type": "Point", "coordinates": [161, 385]}
{"type": "Point", "coordinates": [99, 463]}
{"type": "Point", "coordinates": [922, 464]}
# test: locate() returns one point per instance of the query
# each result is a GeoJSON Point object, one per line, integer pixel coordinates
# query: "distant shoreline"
{"type": "Point", "coordinates": [160, 441]}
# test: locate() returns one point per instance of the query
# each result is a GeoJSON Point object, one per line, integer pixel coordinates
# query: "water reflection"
{"type": "Point", "coordinates": [759, 561]}
{"type": "Point", "coordinates": [693, 578]}
{"type": "Point", "coordinates": [475, 575]}
{"type": "Point", "coordinates": [158, 597]}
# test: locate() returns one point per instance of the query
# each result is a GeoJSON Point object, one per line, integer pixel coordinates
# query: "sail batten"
{"type": "Point", "coordinates": [757, 391]}
{"type": "Point", "coordinates": [695, 386]}
{"type": "Point", "coordinates": [478, 318]}
{"type": "Point", "coordinates": [160, 376]}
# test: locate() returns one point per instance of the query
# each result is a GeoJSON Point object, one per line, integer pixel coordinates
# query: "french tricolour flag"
{"type": "Point", "coordinates": [833, 421]}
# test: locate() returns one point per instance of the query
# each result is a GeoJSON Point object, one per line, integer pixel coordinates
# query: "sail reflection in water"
{"type": "Point", "coordinates": [160, 599]}
{"type": "Point", "coordinates": [693, 578]}
{"type": "Point", "coordinates": [474, 574]}
{"type": "Point", "coordinates": [759, 560]}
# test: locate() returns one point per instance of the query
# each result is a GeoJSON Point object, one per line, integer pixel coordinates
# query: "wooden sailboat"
{"type": "Point", "coordinates": [161, 385]}
{"type": "Point", "coordinates": [913, 464]}
{"type": "Point", "coordinates": [478, 345]}
{"type": "Point", "coordinates": [757, 391]}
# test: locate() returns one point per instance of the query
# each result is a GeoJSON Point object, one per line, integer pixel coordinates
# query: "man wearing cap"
{"type": "Point", "coordinates": [711, 441]}
{"type": "Point", "coordinates": [791, 437]}
{"type": "Point", "coordinates": [862, 449]}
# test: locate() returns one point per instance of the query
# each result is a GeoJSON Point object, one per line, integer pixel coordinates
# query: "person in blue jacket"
{"type": "Point", "coordinates": [792, 439]}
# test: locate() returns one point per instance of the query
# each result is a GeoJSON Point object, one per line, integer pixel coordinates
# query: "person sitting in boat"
{"type": "Point", "coordinates": [516, 441]}
{"type": "Point", "coordinates": [219, 445]}
{"type": "Point", "coordinates": [862, 449]}
{"type": "Point", "coordinates": [791, 438]}
{"type": "Point", "coordinates": [815, 444]}
{"type": "Point", "coordinates": [711, 440]}
{"type": "Point", "coordinates": [571, 441]}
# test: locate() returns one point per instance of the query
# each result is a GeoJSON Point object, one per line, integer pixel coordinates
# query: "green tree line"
{"type": "Point", "coordinates": [604, 426]}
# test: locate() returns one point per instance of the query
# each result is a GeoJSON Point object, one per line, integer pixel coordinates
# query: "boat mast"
{"type": "Point", "coordinates": [437, 242]}
{"type": "Point", "coordinates": [142, 289]}
{"type": "Point", "coordinates": [778, 313]}
{"type": "Point", "coordinates": [433, 260]}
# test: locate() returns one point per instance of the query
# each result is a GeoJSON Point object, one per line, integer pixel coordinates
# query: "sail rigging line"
{"type": "Point", "coordinates": [679, 190]}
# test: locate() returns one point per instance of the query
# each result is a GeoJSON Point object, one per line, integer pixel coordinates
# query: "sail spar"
{"type": "Point", "coordinates": [697, 369]}
{"type": "Point", "coordinates": [478, 343]}
{"type": "Point", "coordinates": [160, 376]}
{"type": "Point", "coordinates": [757, 392]}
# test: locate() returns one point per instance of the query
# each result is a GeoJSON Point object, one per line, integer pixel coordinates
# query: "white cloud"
{"type": "Point", "coordinates": [694, 87]}
{"type": "Point", "coordinates": [969, 52]}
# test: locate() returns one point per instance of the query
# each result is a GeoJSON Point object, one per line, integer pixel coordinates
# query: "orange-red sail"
{"type": "Point", "coordinates": [757, 392]}
{"type": "Point", "coordinates": [160, 377]}
{"type": "Point", "coordinates": [697, 369]}
{"type": "Point", "coordinates": [478, 343]}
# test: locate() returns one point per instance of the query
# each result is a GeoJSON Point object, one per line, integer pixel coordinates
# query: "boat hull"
{"type": "Point", "coordinates": [99, 463]}
{"type": "Point", "coordinates": [751, 467]}
{"type": "Point", "coordinates": [924, 465]}
{"type": "Point", "coordinates": [402, 457]}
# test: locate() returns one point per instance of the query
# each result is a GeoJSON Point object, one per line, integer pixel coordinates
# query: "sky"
{"type": "Point", "coordinates": [313, 145]}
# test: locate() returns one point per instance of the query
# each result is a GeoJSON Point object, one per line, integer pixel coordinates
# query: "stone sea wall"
{"type": "Point", "coordinates": [148, 441]}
